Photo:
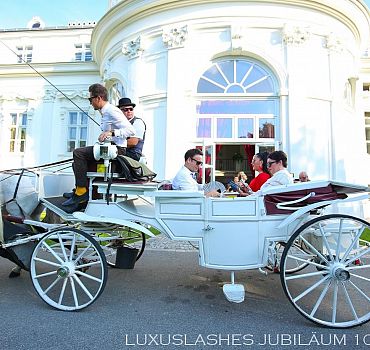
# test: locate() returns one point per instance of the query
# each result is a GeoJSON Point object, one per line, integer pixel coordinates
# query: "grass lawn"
{"type": "Point", "coordinates": [366, 235]}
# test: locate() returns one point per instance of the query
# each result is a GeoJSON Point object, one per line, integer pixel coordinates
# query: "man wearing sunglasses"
{"type": "Point", "coordinates": [185, 179]}
{"type": "Point", "coordinates": [276, 164]}
{"type": "Point", "coordinates": [113, 124]}
{"type": "Point", "coordinates": [135, 143]}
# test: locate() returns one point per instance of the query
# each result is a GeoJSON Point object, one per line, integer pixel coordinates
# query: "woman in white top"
{"type": "Point", "coordinates": [276, 163]}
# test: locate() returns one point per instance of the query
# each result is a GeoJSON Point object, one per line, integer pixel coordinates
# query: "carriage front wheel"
{"type": "Point", "coordinates": [334, 288]}
{"type": "Point", "coordinates": [68, 269]}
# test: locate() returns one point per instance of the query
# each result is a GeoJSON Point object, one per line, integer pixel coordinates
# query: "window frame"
{"type": "Point", "coordinates": [367, 129]}
{"type": "Point", "coordinates": [19, 144]}
{"type": "Point", "coordinates": [271, 95]}
{"type": "Point", "coordinates": [24, 53]}
{"type": "Point", "coordinates": [78, 126]}
{"type": "Point", "coordinates": [234, 136]}
{"type": "Point", "coordinates": [83, 52]}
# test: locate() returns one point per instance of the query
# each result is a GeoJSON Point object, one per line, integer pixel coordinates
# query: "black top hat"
{"type": "Point", "coordinates": [125, 101]}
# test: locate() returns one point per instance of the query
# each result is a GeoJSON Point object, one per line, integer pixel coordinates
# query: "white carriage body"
{"type": "Point", "coordinates": [233, 233]}
{"type": "Point", "coordinates": [281, 227]}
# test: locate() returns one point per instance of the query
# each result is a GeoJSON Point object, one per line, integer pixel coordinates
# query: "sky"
{"type": "Point", "coordinates": [17, 13]}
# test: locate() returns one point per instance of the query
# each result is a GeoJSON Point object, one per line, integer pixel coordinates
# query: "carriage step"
{"type": "Point", "coordinates": [234, 292]}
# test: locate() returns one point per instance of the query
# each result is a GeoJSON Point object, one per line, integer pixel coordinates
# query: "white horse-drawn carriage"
{"type": "Point", "coordinates": [323, 259]}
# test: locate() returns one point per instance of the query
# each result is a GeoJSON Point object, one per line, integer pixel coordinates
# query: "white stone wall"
{"type": "Point", "coordinates": [22, 89]}
{"type": "Point", "coordinates": [314, 55]}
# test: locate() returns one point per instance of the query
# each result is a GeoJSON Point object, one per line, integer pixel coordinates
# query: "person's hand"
{"type": "Point", "coordinates": [104, 135]}
{"type": "Point", "coordinates": [213, 193]}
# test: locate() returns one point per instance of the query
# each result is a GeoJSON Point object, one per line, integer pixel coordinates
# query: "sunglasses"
{"type": "Point", "coordinates": [197, 161]}
{"type": "Point", "coordinates": [129, 109]}
{"type": "Point", "coordinates": [270, 163]}
{"type": "Point", "coordinates": [92, 97]}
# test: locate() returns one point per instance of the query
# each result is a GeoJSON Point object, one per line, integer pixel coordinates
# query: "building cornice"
{"type": "Point", "coordinates": [48, 69]}
{"type": "Point", "coordinates": [354, 14]}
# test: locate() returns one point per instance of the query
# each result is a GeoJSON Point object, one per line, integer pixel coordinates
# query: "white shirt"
{"type": "Point", "coordinates": [114, 119]}
{"type": "Point", "coordinates": [184, 181]}
{"type": "Point", "coordinates": [139, 127]}
{"type": "Point", "coordinates": [281, 177]}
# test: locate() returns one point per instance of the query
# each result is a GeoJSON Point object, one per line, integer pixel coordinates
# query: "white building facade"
{"type": "Point", "coordinates": [245, 76]}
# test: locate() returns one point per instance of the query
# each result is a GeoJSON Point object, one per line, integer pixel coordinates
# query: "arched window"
{"type": "Point", "coordinates": [116, 91]}
{"type": "Point", "coordinates": [237, 100]}
{"type": "Point", "coordinates": [236, 77]}
{"type": "Point", "coordinates": [237, 109]}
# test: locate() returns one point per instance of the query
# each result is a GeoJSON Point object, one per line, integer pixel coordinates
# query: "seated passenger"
{"type": "Point", "coordinates": [276, 163]}
{"type": "Point", "coordinates": [259, 164]}
{"type": "Point", "coordinates": [303, 177]}
{"type": "Point", "coordinates": [185, 179]}
{"type": "Point", "coordinates": [242, 177]}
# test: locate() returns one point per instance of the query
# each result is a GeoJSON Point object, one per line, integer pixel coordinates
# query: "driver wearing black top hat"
{"type": "Point", "coordinates": [135, 143]}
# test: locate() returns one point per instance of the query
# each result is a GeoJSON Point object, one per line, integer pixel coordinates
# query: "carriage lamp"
{"type": "Point", "coordinates": [106, 151]}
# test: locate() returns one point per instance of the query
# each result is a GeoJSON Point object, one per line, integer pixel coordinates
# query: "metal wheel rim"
{"type": "Point", "coordinates": [298, 265]}
{"type": "Point", "coordinates": [68, 269]}
{"type": "Point", "coordinates": [333, 289]}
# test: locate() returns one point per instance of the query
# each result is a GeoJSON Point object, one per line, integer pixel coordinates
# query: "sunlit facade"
{"type": "Point", "coordinates": [241, 76]}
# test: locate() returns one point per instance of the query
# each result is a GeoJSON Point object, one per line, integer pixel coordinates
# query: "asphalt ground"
{"type": "Point", "coordinates": [166, 302]}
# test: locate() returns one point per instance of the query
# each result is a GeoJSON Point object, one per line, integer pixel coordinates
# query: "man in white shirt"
{"type": "Point", "coordinates": [185, 179]}
{"type": "Point", "coordinates": [113, 124]}
{"type": "Point", "coordinates": [276, 163]}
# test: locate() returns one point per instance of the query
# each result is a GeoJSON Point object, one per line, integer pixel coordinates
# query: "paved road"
{"type": "Point", "coordinates": [167, 298]}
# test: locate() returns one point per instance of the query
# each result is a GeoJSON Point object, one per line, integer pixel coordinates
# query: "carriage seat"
{"type": "Point", "coordinates": [320, 194]}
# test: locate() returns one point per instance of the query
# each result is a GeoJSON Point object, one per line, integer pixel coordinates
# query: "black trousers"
{"type": "Point", "coordinates": [132, 154]}
{"type": "Point", "coordinates": [83, 157]}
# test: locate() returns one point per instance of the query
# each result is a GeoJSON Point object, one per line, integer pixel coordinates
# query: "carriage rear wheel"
{"type": "Point", "coordinates": [68, 269]}
{"type": "Point", "coordinates": [297, 249]}
{"type": "Point", "coordinates": [333, 289]}
{"type": "Point", "coordinates": [129, 237]}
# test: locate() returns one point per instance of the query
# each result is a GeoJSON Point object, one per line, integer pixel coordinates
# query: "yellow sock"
{"type": "Point", "coordinates": [80, 191]}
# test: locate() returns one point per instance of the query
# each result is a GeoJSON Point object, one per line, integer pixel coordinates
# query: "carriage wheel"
{"type": "Point", "coordinates": [129, 238]}
{"type": "Point", "coordinates": [334, 289]}
{"type": "Point", "coordinates": [298, 250]}
{"type": "Point", "coordinates": [68, 269]}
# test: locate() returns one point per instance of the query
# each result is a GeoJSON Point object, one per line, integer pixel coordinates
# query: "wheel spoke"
{"type": "Point", "coordinates": [360, 277]}
{"type": "Point", "coordinates": [52, 252]}
{"type": "Point", "coordinates": [51, 285]}
{"type": "Point", "coordinates": [357, 267]}
{"type": "Point", "coordinates": [358, 256]}
{"type": "Point", "coordinates": [326, 242]}
{"type": "Point", "coordinates": [356, 239]}
{"type": "Point", "coordinates": [83, 252]}
{"type": "Point", "coordinates": [73, 244]}
{"type": "Point", "coordinates": [300, 296]}
{"type": "Point", "coordinates": [62, 247]}
{"type": "Point", "coordinates": [61, 295]}
{"type": "Point", "coordinates": [305, 275]}
{"type": "Point", "coordinates": [349, 301]}
{"type": "Point", "coordinates": [338, 242]}
{"type": "Point", "coordinates": [322, 257]}
{"type": "Point", "coordinates": [73, 287]}
{"type": "Point", "coordinates": [46, 274]}
{"type": "Point", "coordinates": [319, 300]}
{"type": "Point", "coordinates": [323, 267]}
{"type": "Point", "coordinates": [87, 265]}
{"type": "Point", "coordinates": [47, 262]}
{"type": "Point", "coordinates": [83, 287]}
{"type": "Point", "coordinates": [89, 276]}
{"type": "Point", "coordinates": [335, 302]}
{"type": "Point", "coordinates": [360, 291]}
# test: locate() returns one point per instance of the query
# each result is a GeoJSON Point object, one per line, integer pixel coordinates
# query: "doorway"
{"type": "Point", "coordinates": [231, 159]}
